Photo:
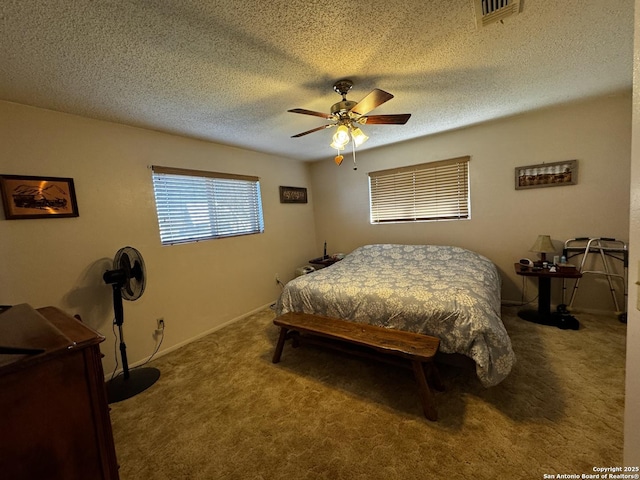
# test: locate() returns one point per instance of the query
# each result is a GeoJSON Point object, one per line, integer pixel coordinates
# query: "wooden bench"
{"type": "Point", "coordinates": [419, 349]}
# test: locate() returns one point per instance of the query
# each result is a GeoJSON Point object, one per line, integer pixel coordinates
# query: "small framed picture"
{"type": "Point", "coordinates": [554, 174]}
{"type": "Point", "coordinates": [293, 195]}
{"type": "Point", "coordinates": [37, 197]}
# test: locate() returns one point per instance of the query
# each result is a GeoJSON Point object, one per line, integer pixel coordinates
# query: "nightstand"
{"type": "Point", "coordinates": [325, 261]}
{"type": "Point", "coordinates": [543, 315]}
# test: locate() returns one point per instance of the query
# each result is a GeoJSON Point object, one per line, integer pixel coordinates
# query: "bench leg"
{"type": "Point", "coordinates": [433, 377]}
{"type": "Point", "coordinates": [280, 345]}
{"type": "Point", "coordinates": [428, 406]}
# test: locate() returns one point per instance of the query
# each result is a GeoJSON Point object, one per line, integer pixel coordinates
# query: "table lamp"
{"type": "Point", "coordinates": [543, 246]}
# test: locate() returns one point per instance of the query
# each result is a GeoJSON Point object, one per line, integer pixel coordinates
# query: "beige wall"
{"type": "Point", "coordinates": [632, 397]}
{"type": "Point", "coordinates": [505, 222]}
{"type": "Point", "coordinates": [201, 286]}
{"type": "Point", "coordinates": [195, 287]}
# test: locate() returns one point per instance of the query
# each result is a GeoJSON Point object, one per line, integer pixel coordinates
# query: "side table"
{"type": "Point", "coordinates": [543, 315]}
{"type": "Point", "coordinates": [325, 261]}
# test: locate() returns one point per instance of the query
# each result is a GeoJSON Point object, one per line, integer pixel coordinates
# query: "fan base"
{"type": "Point", "coordinates": [139, 380]}
{"type": "Point", "coordinates": [343, 86]}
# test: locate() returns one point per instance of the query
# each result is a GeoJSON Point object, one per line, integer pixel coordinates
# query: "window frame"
{"type": "Point", "coordinates": [443, 192]}
{"type": "Point", "coordinates": [209, 217]}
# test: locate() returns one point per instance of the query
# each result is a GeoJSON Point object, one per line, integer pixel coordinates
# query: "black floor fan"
{"type": "Point", "coordinates": [127, 280]}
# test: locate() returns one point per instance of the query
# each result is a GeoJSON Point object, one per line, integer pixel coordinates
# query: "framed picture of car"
{"type": "Point", "coordinates": [37, 197]}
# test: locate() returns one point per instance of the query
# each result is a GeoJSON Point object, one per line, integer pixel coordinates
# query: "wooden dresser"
{"type": "Point", "coordinates": [54, 417]}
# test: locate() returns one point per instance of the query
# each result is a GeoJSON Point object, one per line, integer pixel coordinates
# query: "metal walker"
{"type": "Point", "coordinates": [607, 249]}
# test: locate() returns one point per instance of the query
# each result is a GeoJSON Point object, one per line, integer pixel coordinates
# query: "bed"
{"type": "Point", "coordinates": [443, 291]}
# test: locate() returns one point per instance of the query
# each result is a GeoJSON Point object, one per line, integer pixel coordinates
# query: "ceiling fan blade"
{"type": "Point", "coordinates": [374, 99]}
{"type": "Point", "coordinates": [328, 116]}
{"type": "Point", "coordinates": [317, 129]}
{"type": "Point", "coordinates": [399, 119]}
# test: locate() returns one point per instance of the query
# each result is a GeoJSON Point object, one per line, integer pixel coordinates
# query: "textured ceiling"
{"type": "Point", "coordinates": [228, 71]}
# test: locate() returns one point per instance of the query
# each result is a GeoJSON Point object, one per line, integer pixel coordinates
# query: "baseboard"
{"type": "Point", "coordinates": [512, 303]}
{"type": "Point", "coordinates": [162, 353]}
{"type": "Point", "coordinates": [534, 305]}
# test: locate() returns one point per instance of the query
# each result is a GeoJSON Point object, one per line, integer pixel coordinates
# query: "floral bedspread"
{"type": "Point", "coordinates": [447, 292]}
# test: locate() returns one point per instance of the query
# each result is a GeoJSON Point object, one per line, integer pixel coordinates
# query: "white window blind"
{"type": "Point", "coordinates": [193, 205]}
{"type": "Point", "coordinates": [426, 192]}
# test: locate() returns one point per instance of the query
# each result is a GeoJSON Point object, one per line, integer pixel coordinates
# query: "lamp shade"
{"type": "Point", "coordinates": [358, 136]}
{"type": "Point", "coordinates": [337, 146]}
{"type": "Point", "coordinates": [341, 137]}
{"type": "Point", "coordinates": [543, 245]}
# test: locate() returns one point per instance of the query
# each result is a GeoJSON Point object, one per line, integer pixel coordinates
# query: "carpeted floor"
{"type": "Point", "coordinates": [222, 410]}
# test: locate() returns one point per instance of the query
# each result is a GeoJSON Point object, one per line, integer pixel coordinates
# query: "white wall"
{"type": "Point", "coordinates": [505, 222]}
{"type": "Point", "coordinates": [632, 396]}
{"type": "Point", "coordinates": [195, 287]}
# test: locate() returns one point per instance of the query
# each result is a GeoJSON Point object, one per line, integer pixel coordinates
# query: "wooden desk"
{"type": "Point", "coordinates": [54, 418]}
{"type": "Point", "coordinates": [543, 315]}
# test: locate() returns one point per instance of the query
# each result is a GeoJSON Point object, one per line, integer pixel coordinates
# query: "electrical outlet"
{"type": "Point", "coordinates": [638, 283]}
{"type": "Point", "coordinates": [159, 332]}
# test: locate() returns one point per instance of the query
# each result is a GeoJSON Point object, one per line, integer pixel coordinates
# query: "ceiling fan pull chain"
{"type": "Point", "coordinates": [353, 146]}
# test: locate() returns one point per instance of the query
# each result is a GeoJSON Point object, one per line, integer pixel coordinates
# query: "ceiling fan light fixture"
{"type": "Point", "coordinates": [336, 145]}
{"type": "Point", "coordinates": [358, 136]}
{"type": "Point", "coordinates": [341, 137]}
{"type": "Point", "coordinates": [347, 115]}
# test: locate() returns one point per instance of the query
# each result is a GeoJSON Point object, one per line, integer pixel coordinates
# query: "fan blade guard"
{"type": "Point", "coordinates": [129, 261]}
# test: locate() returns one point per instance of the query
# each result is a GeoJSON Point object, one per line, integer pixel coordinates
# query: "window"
{"type": "Point", "coordinates": [194, 205]}
{"type": "Point", "coordinates": [426, 192]}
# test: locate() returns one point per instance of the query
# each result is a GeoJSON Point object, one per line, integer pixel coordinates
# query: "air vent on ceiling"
{"type": "Point", "coordinates": [491, 11]}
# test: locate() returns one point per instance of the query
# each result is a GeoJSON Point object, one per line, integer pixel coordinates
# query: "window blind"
{"type": "Point", "coordinates": [193, 205]}
{"type": "Point", "coordinates": [425, 192]}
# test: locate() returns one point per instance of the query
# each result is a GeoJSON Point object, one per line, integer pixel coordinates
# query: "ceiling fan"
{"type": "Point", "coordinates": [348, 115]}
